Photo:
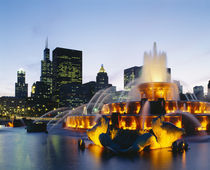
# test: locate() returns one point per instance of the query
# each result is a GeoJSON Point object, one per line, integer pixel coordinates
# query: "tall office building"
{"type": "Point", "coordinates": [102, 79]}
{"type": "Point", "coordinates": [71, 95]}
{"type": "Point", "coordinates": [89, 90]}
{"type": "Point", "coordinates": [46, 71]}
{"type": "Point", "coordinates": [40, 90]}
{"type": "Point", "coordinates": [21, 88]}
{"type": "Point", "coordinates": [67, 69]}
{"type": "Point", "coordinates": [130, 75]}
{"type": "Point", "coordinates": [40, 101]}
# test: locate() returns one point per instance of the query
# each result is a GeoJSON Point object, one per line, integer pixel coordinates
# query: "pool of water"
{"type": "Point", "coordinates": [58, 150]}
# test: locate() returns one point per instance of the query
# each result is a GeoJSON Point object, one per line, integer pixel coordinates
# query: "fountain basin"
{"type": "Point", "coordinates": [134, 107]}
{"type": "Point", "coordinates": [155, 90]}
{"type": "Point", "coordinates": [126, 122]}
{"type": "Point", "coordinates": [156, 93]}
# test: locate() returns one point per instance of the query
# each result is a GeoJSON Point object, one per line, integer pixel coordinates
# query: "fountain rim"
{"type": "Point", "coordinates": [157, 83]}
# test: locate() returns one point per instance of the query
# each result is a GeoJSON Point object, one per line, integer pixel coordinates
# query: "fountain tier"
{"type": "Point", "coordinates": [155, 87]}
{"type": "Point", "coordinates": [155, 90]}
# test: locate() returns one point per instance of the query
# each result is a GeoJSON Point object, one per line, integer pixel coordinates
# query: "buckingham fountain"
{"type": "Point", "coordinates": [152, 116]}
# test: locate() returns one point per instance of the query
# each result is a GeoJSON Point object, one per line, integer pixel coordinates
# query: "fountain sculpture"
{"type": "Point", "coordinates": [156, 118]}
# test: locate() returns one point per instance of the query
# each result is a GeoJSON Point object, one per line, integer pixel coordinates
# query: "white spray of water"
{"type": "Point", "coordinates": [59, 110]}
{"type": "Point", "coordinates": [154, 69]}
{"type": "Point", "coordinates": [145, 112]}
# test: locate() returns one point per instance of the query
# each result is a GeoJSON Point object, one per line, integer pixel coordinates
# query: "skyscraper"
{"type": "Point", "coordinates": [67, 69]}
{"type": "Point", "coordinates": [40, 101]}
{"type": "Point", "coordinates": [46, 70]}
{"type": "Point", "coordinates": [41, 92]}
{"type": "Point", "coordinates": [71, 95]}
{"type": "Point", "coordinates": [102, 78]}
{"type": "Point", "coordinates": [21, 88]}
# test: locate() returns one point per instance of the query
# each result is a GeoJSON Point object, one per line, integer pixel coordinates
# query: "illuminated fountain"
{"type": "Point", "coordinates": [157, 96]}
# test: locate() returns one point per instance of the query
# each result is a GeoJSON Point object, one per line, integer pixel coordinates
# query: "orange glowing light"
{"type": "Point", "coordinates": [171, 106]}
{"type": "Point", "coordinates": [122, 108]}
{"type": "Point", "coordinates": [114, 109]}
{"type": "Point", "coordinates": [125, 122]}
{"type": "Point", "coordinates": [10, 124]}
{"type": "Point", "coordinates": [178, 124]}
{"type": "Point", "coordinates": [122, 124]}
{"type": "Point", "coordinates": [154, 90]}
{"type": "Point", "coordinates": [146, 126]}
{"type": "Point", "coordinates": [204, 124]}
{"type": "Point", "coordinates": [80, 122]}
{"type": "Point", "coordinates": [138, 109]}
{"type": "Point", "coordinates": [133, 125]}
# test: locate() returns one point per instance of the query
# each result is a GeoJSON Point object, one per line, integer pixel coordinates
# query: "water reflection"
{"type": "Point", "coordinates": [154, 159]}
{"type": "Point", "coordinates": [159, 158]}
{"type": "Point", "coordinates": [19, 150]}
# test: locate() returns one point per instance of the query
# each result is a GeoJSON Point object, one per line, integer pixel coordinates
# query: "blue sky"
{"type": "Point", "coordinates": [111, 32]}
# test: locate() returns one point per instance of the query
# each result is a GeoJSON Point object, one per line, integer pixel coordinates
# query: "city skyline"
{"type": "Point", "coordinates": [115, 35]}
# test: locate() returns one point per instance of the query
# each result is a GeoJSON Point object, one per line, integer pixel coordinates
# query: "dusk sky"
{"type": "Point", "coordinates": [115, 33]}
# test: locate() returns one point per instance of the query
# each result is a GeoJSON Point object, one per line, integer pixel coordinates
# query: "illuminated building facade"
{"type": "Point", "coordinates": [40, 90]}
{"type": "Point", "coordinates": [12, 106]}
{"type": "Point", "coordinates": [199, 92]}
{"type": "Point", "coordinates": [21, 88]}
{"type": "Point", "coordinates": [102, 80]}
{"type": "Point", "coordinates": [102, 77]}
{"type": "Point", "coordinates": [74, 94]}
{"type": "Point", "coordinates": [71, 95]}
{"type": "Point", "coordinates": [43, 89]}
{"type": "Point", "coordinates": [37, 107]}
{"type": "Point", "coordinates": [67, 69]}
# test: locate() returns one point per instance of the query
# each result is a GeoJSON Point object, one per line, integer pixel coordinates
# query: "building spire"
{"type": "Point", "coordinates": [46, 50]}
{"type": "Point", "coordinates": [102, 70]}
{"type": "Point", "coordinates": [46, 43]}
